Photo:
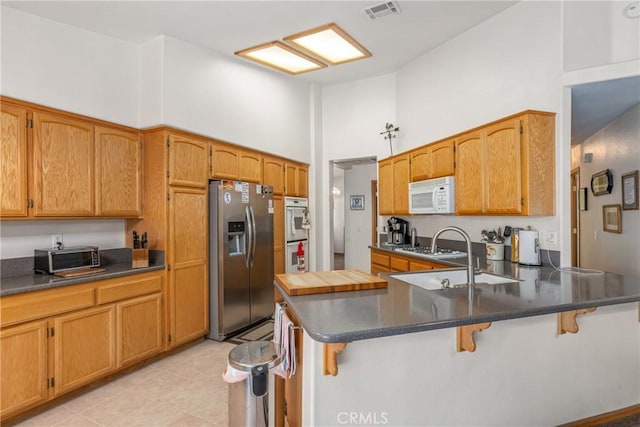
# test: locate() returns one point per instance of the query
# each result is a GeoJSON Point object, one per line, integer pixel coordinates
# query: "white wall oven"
{"type": "Point", "coordinates": [296, 224]}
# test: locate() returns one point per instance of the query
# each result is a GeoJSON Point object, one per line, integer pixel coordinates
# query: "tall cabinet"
{"type": "Point", "coordinates": [176, 219]}
{"type": "Point", "coordinates": [274, 175]}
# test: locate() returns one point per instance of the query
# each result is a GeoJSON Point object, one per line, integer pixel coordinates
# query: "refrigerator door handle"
{"type": "Point", "coordinates": [253, 234]}
{"type": "Point", "coordinates": [247, 255]}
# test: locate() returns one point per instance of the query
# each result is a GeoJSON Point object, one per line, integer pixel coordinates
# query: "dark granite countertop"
{"type": "Point", "coordinates": [402, 308]}
{"type": "Point", "coordinates": [116, 264]}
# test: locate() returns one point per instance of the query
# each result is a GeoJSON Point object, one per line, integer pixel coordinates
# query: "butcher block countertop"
{"type": "Point", "coordinates": [328, 281]}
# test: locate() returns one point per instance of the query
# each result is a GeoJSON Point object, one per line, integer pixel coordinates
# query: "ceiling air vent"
{"type": "Point", "coordinates": [382, 9]}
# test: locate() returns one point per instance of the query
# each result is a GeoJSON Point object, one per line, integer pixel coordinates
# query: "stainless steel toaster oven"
{"type": "Point", "coordinates": [71, 258]}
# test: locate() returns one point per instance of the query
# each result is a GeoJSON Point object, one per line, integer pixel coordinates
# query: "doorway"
{"type": "Point", "coordinates": [354, 212]}
{"type": "Point", "coordinates": [575, 218]}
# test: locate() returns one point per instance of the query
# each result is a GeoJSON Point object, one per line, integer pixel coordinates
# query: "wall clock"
{"type": "Point", "coordinates": [601, 183]}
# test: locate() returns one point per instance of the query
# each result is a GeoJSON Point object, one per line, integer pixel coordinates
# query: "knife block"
{"type": "Point", "coordinates": [139, 258]}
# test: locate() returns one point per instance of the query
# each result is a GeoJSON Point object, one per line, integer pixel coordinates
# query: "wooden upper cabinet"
{"type": "Point", "coordinates": [229, 162]}
{"type": "Point", "coordinates": [188, 161]}
{"type": "Point", "coordinates": [538, 160]}
{"type": "Point", "coordinates": [432, 161]}
{"type": "Point", "coordinates": [63, 166]}
{"type": "Point", "coordinates": [502, 168]}
{"type": "Point", "coordinates": [442, 158]}
{"type": "Point", "coordinates": [250, 166]}
{"type": "Point", "coordinates": [385, 187]}
{"type": "Point", "coordinates": [393, 185]}
{"type": "Point", "coordinates": [273, 173]}
{"type": "Point", "coordinates": [507, 167]}
{"type": "Point", "coordinates": [14, 191]}
{"type": "Point", "coordinates": [401, 184]}
{"type": "Point", "coordinates": [118, 173]}
{"type": "Point", "coordinates": [420, 164]}
{"type": "Point", "coordinates": [278, 235]}
{"type": "Point", "coordinates": [469, 174]}
{"type": "Point", "coordinates": [303, 181]}
{"type": "Point", "coordinates": [225, 161]}
{"type": "Point", "coordinates": [296, 180]}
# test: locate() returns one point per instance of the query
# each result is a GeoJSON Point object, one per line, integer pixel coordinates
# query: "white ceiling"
{"type": "Point", "coordinates": [229, 26]}
{"type": "Point", "coordinates": [394, 40]}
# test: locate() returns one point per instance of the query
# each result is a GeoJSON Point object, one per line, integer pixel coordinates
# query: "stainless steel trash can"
{"type": "Point", "coordinates": [249, 399]}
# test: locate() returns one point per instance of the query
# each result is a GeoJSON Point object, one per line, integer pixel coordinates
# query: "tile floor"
{"type": "Point", "coordinates": [183, 389]}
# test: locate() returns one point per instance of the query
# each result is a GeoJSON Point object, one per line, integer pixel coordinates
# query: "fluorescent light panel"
{"type": "Point", "coordinates": [281, 57]}
{"type": "Point", "coordinates": [330, 43]}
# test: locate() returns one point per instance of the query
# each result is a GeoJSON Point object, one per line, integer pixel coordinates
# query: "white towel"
{"type": "Point", "coordinates": [284, 339]}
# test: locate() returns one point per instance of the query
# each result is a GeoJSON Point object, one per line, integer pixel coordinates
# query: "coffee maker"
{"type": "Point", "coordinates": [398, 230]}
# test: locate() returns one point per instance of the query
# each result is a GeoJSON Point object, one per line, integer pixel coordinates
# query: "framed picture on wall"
{"type": "Point", "coordinates": [582, 198]}
{"type": "Point", "coordinates": [630, 191]}
{"type": "Point", "coordinates": [612, 218]}
{"type": "Point", "coordinates": [602, 183]}
{"type": "Point", "coordinates": [357, 202]}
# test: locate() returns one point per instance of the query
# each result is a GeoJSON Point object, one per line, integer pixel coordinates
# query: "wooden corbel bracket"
{"type": "Point", "coordinates": [330, 356]}
{"type": "Point", "coordinates": [567, 320]}
{"type": "Point", "coordinates": [464, 334]}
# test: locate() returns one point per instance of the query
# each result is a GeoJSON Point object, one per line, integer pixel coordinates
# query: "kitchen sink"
{"type": "Point", "coordinates": [433, 280]}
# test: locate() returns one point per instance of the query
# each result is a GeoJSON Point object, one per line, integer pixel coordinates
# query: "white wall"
{"type": "Point", "coordinates": [163, 81]}
{"type": "Point", "coordinates": [522, 374]}
{"type": "Point", "coordinates": [353, 115]}
{"type": "Point", "coordinates": [357, 181]}
{"type": "Point", "coordinates": [507, 64]}
{"type": "Point", "coordinates": [338, 210]}
{"type": "Point", "coordinates": [20, 238]}
{"type": "Point", "coordinates": [210, 94]}
{"type": "Point", "coordinates": [64, 67]}
{"type": "Point", "coordinates": [615, 147]}
{"type": "Point", "coordinates": [598, 33]}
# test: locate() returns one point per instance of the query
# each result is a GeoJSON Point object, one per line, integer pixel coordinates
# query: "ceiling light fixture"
{"type": "Point", "coordinates": [330, 43]}
{"type": "Point", "coordinates": [281, 57]}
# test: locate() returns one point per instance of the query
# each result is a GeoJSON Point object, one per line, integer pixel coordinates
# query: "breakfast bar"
{"type": "Point", "coordinates": [551, 347]}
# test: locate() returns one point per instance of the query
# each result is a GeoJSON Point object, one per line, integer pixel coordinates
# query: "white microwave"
{"type": "Point", "coordinates": [432, 196]}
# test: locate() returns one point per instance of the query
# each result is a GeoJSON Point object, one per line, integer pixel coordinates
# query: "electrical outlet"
{"type": "Point", "coordinates": [56, 241]}
{"type": "Point", "coordinates": [595, 234]}
{"type": "Point", "coordinates": [551, 237]}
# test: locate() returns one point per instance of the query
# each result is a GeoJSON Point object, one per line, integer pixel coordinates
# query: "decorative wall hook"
{"type": "Point", "coordinates": [389, 133]}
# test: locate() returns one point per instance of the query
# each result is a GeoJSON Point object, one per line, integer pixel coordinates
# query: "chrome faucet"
{"type": "Point", "coordinates": [471, 278]}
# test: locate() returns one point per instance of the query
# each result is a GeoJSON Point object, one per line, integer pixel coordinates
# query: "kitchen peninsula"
{"type": "Point", "coordinates": [409, 350]}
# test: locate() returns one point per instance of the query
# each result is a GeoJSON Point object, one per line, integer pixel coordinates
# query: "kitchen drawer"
{"type": "Point", "coordinates": [425, 265]}
{"type": "Point", "coordinates": [380, 259]}
{"type": "Point", "coordinates": [128, 287]}
{"type": "Point", "coordinates": [37, 305]}
{"type": "Point", "coordinates": [399, 264]}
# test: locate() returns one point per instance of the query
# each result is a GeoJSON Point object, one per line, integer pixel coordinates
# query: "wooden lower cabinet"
{"type": "Point", "coordinates": [48, 349]}
{"type": "Point", "coordinates": [85, 347]}
{"type": "Point", "coordinates": [380, 262]}
{"type": "Point", "coordinates": [139, 329]}
{"type": "Point", "coordinates": [384, 262]}
{"type": "Point", "coordinates": [288, 392]}
{"type": "Point", "coordinates": [188, 303]}
{"type": "Point", "coordinates": [278, 235]}
{"type": "Point", "coordinates": [23, 367]}
{"type": "Point", "coordinates": [188, 259]}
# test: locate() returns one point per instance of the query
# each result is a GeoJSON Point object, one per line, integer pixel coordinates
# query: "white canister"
{"type": "Point", "coordinates": [495, 251]}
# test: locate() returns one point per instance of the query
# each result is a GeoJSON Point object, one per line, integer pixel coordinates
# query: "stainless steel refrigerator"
{"type": "Point", "coordinates": [241, 256]}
